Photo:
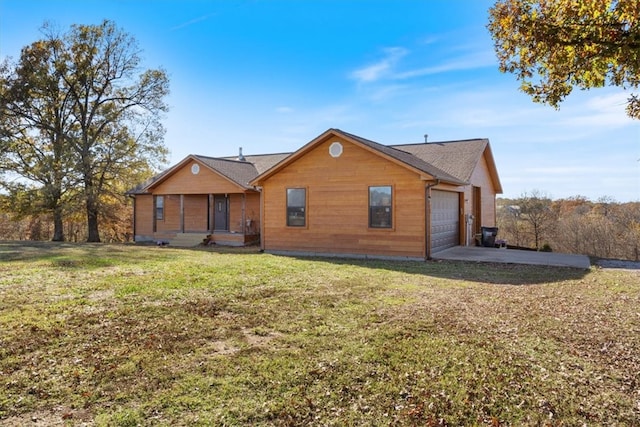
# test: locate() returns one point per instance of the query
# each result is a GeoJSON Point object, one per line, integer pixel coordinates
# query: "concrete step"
{"type": "Point", "coordinates": [187, 240]}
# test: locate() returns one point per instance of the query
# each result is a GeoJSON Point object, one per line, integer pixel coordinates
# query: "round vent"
{"type": "Point", "coordinates": [195, 168]}
{"type": "Point", "coordinates": [335, 149]}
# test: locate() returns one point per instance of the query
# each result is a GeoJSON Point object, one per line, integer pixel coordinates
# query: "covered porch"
{"type": "Point", "coordinates": [194, 219]}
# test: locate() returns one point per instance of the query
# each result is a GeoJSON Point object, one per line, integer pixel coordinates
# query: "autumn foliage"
{"type": "Point", "coordinates": [603, 229]}
{"type": "Point", "coordinates": [552, 46]}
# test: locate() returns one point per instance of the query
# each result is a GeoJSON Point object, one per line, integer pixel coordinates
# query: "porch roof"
{"type": "Point", "coordinates": [240, 172]}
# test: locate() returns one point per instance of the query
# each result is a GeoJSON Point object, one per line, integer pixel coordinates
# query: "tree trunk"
{"type": "Point", "coordinates": [92, 219]}
{"type": "Point", "coordinates": [58, 228]}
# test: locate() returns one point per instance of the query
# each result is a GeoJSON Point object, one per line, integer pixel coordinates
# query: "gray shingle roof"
{"type": "Point", "coordinates": [409, 159]}
{"type": "Point", "coordinates": [242, 172]}
{"type": "Point", "coordinates": [142, 188]}
{"type": "Point", "coordinates": [239, 172]}
{"type": "Point", "coordinates": [457, 158]}
{"type": "Point", "coordinates": [449, 161]}
{"type": "Point", "coordinates": [262, 162]}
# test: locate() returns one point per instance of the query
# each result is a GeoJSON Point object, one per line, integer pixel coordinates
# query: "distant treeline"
{"type": "Point", "coordinates": [115, 224]}
{"type": "Point", "coordinates": [603, 228]}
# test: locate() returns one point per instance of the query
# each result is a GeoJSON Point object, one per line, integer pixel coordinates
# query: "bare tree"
{"type": "Point", "coordinates": [536, 210]}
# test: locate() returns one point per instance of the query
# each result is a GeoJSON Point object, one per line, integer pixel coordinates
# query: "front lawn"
{"type": "Point", "coordinates": [123, 335]}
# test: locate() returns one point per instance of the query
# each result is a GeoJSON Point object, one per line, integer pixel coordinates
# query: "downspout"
{"type": "Point", "coordinates": [428, 216]}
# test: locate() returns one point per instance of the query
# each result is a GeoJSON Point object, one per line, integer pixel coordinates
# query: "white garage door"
{"type": "Point", "coordinates": [445, 216]}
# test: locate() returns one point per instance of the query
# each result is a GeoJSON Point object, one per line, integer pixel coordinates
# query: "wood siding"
{"type": "Point", "coordinates": [195, 213]}
{"type": "Point", "coordinates": [252, 213]}
{"type": "Point", "coordinates": [187, 210]}
{"type": "Point", "coordinates": [171, 217]}
{"type": "Point", "coordinates": [206, 181]}
{"type": "Point", "coordinates": [143, 217]}
{"type": "Point", "coordinates": [244, 207]}
{"type": "Point", "coordinates": [337, 215]}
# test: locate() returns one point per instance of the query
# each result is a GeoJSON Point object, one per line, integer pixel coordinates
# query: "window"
{"type": "Point", "coordinates": [296, 207]}
{"type": "Point", "coordinates": [380, 207]}
{"type": "Point", "coordinates": [159, 207]}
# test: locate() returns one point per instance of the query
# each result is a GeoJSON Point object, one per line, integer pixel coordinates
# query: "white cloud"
{"type": "Point", "coordinates": [191, 22]}
{"type": "Point", "coordinates": [597, 110]}
{"type": "Point", "coordinates": [284, 110]}
{"type": "Point", "coordinates": [382, 68]}
{"type": "Point", "coordinates": [467, 62]}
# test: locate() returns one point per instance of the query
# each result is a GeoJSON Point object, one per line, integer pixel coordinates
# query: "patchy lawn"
{"type": "Point", "coordinates": [120, 335]}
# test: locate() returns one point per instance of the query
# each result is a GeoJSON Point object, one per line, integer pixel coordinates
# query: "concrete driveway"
{"type": "Point", "coordinates": [513, 256]}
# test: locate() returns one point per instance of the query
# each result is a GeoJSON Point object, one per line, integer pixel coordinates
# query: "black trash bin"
{"type": "Point", "coordinates": [489, 236]}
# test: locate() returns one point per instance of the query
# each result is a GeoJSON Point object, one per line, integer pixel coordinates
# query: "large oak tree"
{"type": "Point", "coordinates": [35, 124]}
{"type": "Point", "coordinates": [106, 112]}
{"type": "Point", "coordinates": [553, 46]}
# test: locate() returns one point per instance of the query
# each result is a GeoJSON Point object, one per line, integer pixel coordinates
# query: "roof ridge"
{"type": "Point", "coordinates": [427, 167]}
{"type": "Point", "coordinates": [453, 141]}
{"type": "Point", "coordinates": [226, 159]}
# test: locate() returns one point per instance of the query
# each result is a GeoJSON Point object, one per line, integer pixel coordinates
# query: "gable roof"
{"type": "Point", "coordinates": [239, 172]}
{"type": "Point", "coordinates": [458, 158]}
{"type": "Point", "coordinates": [407, 158]}
{"type": "Point", "coordinates": [450, 162]}
{"type": "Point", "coordinates": [401, 157]}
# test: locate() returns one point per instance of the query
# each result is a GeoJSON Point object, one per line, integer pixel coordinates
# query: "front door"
{"type": "Point", "coordinates": [221, 215]}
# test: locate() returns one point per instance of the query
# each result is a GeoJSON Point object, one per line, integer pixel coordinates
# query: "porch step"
{"type": "Point", "coordinates": [186, 240]}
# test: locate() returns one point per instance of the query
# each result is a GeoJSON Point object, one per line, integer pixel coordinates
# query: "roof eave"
{"type": "Point", "coordinates": [163, 176]}
{"type": "Point", "coordinates": [493, 170]}
{"type": "Point", "coordinates": [173, 169]}
{"type": "Point", "coordinates": [439, 175]}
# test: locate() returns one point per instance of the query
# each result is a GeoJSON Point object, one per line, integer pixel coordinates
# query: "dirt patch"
{"type": "Point", "coordinates": [59, 416]}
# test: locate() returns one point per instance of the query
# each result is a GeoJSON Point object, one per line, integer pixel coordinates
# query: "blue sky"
{"type": "Point", "coordinates": [272, 75]}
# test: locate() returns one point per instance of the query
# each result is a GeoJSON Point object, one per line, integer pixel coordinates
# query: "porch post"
{"type": "Point", "coordinates": [244, 218]}
{"type": "Point", "coordinates": [210, 214]}
{"type": "Point", "coordinates": [182, 213]}
{"type": "Point", "coordinates": [155, 217]}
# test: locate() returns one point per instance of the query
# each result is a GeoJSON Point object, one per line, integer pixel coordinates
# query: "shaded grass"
{"type": "Point", "coordinates": [124, 335]}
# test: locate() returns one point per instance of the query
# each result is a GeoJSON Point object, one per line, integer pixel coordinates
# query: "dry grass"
{"type": "Point", "coordinates": [124, 336]}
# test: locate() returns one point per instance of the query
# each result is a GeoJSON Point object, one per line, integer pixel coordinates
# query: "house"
{"type": "Point", "coordinates": [339, 195]}
{"type": "Point", "coordinates": [348, 196]}
{"type": "Point", "coordinates": [202, 196]}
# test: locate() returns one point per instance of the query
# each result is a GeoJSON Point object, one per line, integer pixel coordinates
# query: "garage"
{"type": "Point", "coordinates": [445, 220]}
